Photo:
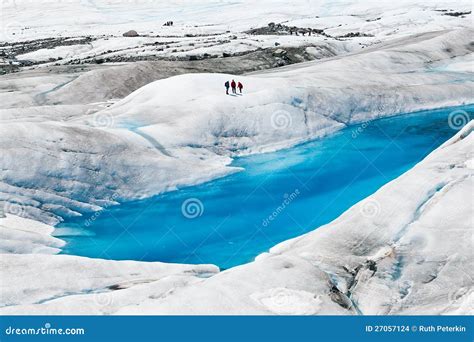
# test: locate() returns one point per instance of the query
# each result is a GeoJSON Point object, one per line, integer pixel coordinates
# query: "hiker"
{"type": "Point", "coordinates": [226, 84]}
{"type": "Point", "coordinates": [240, 86]}
{"type": "Point", "coordinates": [233, 85]}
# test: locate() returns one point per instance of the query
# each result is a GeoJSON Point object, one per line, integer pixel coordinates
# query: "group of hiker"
{"type": "Point", "coordinates": [168, 23]}
{"type": "Point", "coordinates": [234, 87]}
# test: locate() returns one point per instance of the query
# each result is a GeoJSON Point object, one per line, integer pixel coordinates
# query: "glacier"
{"type": "Point", "coordinates": [76, 139]}
{"type": "Point", "coordinates": [117, 150]}
{"type": "Point", "coordinates": [396, 261]}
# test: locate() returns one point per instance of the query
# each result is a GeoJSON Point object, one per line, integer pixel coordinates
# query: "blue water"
{"type": "Point", "coordinates": [315, 182]}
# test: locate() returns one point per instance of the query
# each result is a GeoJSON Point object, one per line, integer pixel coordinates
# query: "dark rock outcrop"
{"type": "Point", "coordinates": [131, 33]}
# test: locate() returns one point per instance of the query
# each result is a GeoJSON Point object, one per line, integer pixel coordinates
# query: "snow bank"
{"type": "Point", "coordinates": [95, 286]}
{"type": "Point", "coordinates": [73, 157]}
{"type": "Point", "coordinates": [184, 130]}
{"type": "Point", "coordinates": [28, 20]}
{"type": "Point", "coordinates": [27, 245]}
{"type": "Point", "coordinates": [24, 236]}
{"type": "Point", "coordinates": [79, 169]}
{"type": "Point", "coordinates": [407, 249]}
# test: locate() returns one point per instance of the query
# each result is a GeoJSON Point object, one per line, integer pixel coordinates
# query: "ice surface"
{"type": "Point", "coordinates": [403, 250]}
{"type": "Point", "coordinates": [70, 147]}
{"type": "Point", "coordinates": [149, 141]}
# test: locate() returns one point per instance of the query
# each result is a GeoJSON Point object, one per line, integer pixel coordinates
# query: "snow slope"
{"type": "Point", "coordinates": [404, 250]}
{"type": "Point", "coordinates": [184, 129]}
{"type": "Point", "coordinates": [30, 20]}
{"type": "Point", "coordinates": [24, 236]}
{"type": "Point", "coordinates": [74, 141]}
{"type": "Point", "coordinates": [197, 30]}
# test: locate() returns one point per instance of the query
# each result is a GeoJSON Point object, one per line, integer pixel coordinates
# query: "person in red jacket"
{"type": "Point", "coordinates": [233, 86]}
{"type": "Point", "coordinates": [240, 86]}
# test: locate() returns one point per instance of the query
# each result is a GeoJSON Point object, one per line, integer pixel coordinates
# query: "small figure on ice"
{"type": "Point", "coordinates": [234, 85]}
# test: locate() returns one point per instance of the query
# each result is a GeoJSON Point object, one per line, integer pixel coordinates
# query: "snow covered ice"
{"type": "Point", "coordinates": [91, 119]}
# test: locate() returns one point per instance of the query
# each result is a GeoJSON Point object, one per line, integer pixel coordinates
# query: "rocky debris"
{"type": "Point", "coordinates": [131, 33]}
{"type": "Point", "coordinates": [340, 298]}
{"type": "Point", "coordinates": [7, 68]}
{"type": "Point", "coordinates": [281, 29]}
{"type": "Point", "coordinates": [457, 14]}
{"type": "Point", "coordinates": [355, 34]}
{"type": "Point", "coordinates": [260, 58]}
{"type": "Point", "coordinates": [271, 57]}
{"type": "Point", "coordinates": [11, 50]}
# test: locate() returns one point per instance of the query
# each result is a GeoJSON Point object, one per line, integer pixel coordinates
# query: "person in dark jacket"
{"type": "Point", "coordinates": [240, 86]}
{"type": "Point", "coordinates": [226, 84]}
{"type": "Point", "coordinates": [234, 87]}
